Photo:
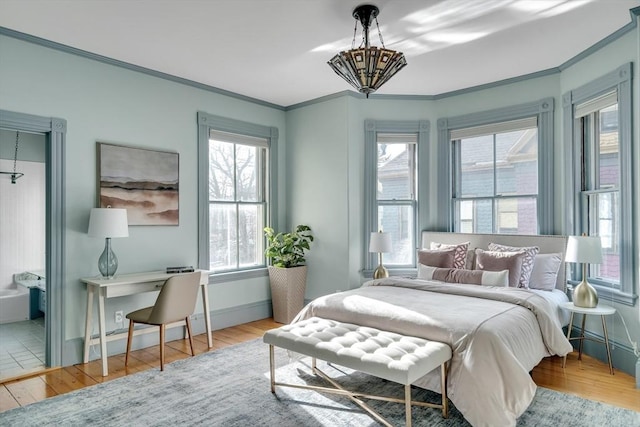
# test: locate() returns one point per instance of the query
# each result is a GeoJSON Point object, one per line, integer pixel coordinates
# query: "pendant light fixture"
{"type": "Point", "coordinates": [367, 67]}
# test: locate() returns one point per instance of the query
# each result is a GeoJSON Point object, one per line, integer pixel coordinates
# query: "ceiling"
{"type": "Point", "coordinates": [276, 50]}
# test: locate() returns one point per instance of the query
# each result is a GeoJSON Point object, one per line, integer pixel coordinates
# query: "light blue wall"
{"type": "Point", "coordinates": [110, 104]}
{"type": "Point", "coordinates": [318, 189]}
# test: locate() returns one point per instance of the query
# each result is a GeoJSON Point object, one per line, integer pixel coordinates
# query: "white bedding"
{"type": "Point", "coordinates": [556, 297]}
{"type": "Point", "coordinates": [497, 336]}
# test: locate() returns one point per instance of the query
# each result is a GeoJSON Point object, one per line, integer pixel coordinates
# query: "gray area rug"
{"type": "Point", "coordinates": [230, 387]}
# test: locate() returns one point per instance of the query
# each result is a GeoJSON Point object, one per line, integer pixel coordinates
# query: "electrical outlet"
{"type": "Point", "coordinates": [119, 316]}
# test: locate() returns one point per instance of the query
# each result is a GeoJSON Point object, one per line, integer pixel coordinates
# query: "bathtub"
{"type": "Point", "coordinates": [14, 304]}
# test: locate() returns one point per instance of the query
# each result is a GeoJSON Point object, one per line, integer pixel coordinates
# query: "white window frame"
{"type": "Point", "coordinates": [206, 124]}
{"type": "Point", "coordinates": [371, 130]}
{"type": "Point", "coordinates": [543, 112]}
{"type": "Point", "coordinates": [618, 80]}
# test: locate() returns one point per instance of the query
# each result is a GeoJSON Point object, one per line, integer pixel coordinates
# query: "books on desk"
{"type": "Point", "coordinates": [182, 269]}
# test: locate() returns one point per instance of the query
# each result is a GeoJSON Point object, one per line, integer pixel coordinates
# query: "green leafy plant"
{"type": "Point", "coordinates": [286, 250]}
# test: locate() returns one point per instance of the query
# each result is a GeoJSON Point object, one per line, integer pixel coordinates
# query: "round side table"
{"type": "Point", "coordinates": [602, 311]}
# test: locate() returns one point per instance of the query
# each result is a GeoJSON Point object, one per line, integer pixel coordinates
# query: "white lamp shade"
{"type": "Point", "coordinates": [585, 249]}
{"type": "Point", "coordinates": [108, 222]}
{"type": "Point", "coordinates": [380, 242]}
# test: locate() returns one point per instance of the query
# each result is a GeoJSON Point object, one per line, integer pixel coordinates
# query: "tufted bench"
{"type": "Point", "coordinates": [387, 355]}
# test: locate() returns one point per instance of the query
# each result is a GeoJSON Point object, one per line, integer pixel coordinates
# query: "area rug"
{"type": "Point", "coordinates": [230, 387]}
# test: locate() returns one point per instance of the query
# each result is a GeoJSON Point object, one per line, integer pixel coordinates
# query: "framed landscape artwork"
{"type": "Point", "coordinates": [140, 180]}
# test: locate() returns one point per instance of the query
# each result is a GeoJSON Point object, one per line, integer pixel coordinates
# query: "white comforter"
{"type": "Point", "coordinates": [497, 336]}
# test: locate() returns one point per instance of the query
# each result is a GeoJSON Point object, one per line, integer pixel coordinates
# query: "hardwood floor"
{"type": "Point", "coordinates": [588, 378]}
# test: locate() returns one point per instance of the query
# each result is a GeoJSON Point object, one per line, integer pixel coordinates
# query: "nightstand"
{"type": "Point", "coordinates": [602, 311]}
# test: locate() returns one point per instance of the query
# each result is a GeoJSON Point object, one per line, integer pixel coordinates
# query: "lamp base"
{"type": "Point", "coordinates": [380, 272]}
{"type": "Point", "coordinates": [585, 296]}
{"type": "Point", "coordinates": [108, 262]}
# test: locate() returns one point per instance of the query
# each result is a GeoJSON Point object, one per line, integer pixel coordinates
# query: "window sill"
{"type": "Point", "coordinates": [232, 276]}
{"type": "Point", "coordinates": [612, 295]}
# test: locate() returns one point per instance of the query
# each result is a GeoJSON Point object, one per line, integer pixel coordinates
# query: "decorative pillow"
{"type": "Point", "coordinates": [527, 263]}
{"type": "Point", "coordinates": [545, 271]}
{"type": "Point", "coordinates": [442, 258]}
{"type": "Point", "coordinates": [498, 261]}
{"type": "Point", "coordinates": [459, 275]}
{"type": "Point", "coordinates": [460, 259]}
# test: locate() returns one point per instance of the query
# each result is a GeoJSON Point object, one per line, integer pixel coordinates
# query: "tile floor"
{"type": "Point", "coordinates": [21, 347]}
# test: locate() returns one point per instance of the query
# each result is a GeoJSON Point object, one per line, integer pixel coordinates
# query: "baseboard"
{"type": "Point", "coordinates": [223, 318]}
{"type": "Point", "coordinates": [622, 355]}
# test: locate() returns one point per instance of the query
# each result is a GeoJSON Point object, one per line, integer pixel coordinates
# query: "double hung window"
{"type": "Point", "coordinates": [598, 144]}
{"type": "Point", "coordinates": [236, 183]}
{"type": "Point", "coordinates": [496, 168]}
{"type": "Point", "coordinates": [600, 186]}
{"type": "Point", "coordinates": [393, 151]}
{"type": "Point", "coordinates": [237, 201]}
{"type": "Point", "coordinates": [396, 194]}
{"type": "Point", "coordinates": [495, 178]}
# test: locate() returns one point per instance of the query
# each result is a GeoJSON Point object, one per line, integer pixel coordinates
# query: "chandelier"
{"type": "Point", "coordinates": [367, 67]}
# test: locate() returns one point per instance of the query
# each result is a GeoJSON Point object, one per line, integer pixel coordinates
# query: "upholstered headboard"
{"type": "Point", "coordinates": [547, 244]}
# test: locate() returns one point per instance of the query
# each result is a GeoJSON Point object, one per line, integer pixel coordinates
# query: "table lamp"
{"type": "Point", "coordinates": [108, 223]}
{"type": "Point", "coordinates": [587, 250]}
{"type": "Point", "coordinates": [380, 242]}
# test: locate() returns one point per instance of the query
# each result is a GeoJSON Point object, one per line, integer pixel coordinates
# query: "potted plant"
{"type": "Point", "coordinates": [287, 272]}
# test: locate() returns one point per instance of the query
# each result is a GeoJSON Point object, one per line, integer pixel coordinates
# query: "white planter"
{"type": "Point", "coordinates": [287, 291]}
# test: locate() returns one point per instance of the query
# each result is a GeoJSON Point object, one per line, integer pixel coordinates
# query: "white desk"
{"type": "Point", "coordinates": [601, 310]}
{"type": "Point", "coordinates": [128, 284]}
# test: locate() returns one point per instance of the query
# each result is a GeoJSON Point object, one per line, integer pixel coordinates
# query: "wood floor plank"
{"type": "Point", "coordinates": [30, 390]}
{"type": "Point", "coordinates": [7, 401]}
{"type": "Point", "coordinates": [66, 380]}
{"type": "Point", "coordinates": [588, 378]}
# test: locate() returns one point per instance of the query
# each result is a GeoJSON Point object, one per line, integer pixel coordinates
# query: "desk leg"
{"type": "Point", "coordinates": [564, 359]}
{"type": "Point", "coordinates": [88, 326]}
{"type": "Point", "coordinates": [205, 306]}
{"type": "Point", "coordinates": [606, 343]}
{"type": "Point", "coordinates": [103, 332]}
{"type": "Point", "coordinates": [584, 318]}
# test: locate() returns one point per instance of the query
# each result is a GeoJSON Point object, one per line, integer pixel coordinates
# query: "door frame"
{"type": "Point", "coordinates": [55, 132]}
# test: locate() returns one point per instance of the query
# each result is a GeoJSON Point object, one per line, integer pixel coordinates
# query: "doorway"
{"type": "Point", "coordinates": [22, 252]}
{"type": "Point", "coordinates": [52, 131]}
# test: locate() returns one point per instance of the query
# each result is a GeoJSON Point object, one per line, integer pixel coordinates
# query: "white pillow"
{"type": "Point", "coordinates": [545, 271]}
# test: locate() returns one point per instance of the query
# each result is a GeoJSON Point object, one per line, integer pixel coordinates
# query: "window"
{"type": "Point", "coordinates": [237, 201]}
{"type": "Point", "coordinates": [598, 125]}
{"type": "Point", "coordinates": [495, 178]}
{"type": "Point", "coordinates": [600, 184]}
{"type": "Point", "coordinates": [236, 186]}
{"type": "Point", "coordinates": [392, 150]}
{"type": "Point", "coordinates": [496, 168]}
{"type": "Point", "coordinates": [396, 194]}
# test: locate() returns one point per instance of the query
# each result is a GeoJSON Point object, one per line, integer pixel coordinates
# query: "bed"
{"type": "Point", "coordinates": [498, 334]}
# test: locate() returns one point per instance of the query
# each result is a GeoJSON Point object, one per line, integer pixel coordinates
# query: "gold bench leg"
{"type": "Point", "coordinates": [407, 404]}
{"type": "Point", "coordinates": [443, 389]}
{"type": "Point", "coordinates": [272, 370]}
